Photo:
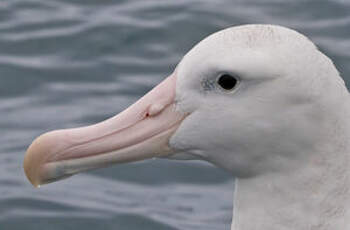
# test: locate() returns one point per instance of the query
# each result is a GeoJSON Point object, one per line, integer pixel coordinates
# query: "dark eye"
{"type": "Point", "coordinates": [227, 82]}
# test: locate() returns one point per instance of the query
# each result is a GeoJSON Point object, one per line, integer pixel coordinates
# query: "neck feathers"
{"type": "Point", "coordinates": [314, 194]}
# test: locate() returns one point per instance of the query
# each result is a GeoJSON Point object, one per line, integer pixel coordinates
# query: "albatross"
{"type": "Point", "coordinates": [260, 101]}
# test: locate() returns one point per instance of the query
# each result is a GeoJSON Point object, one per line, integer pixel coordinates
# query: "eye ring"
{"type": "Point", "coordinates": [227, 82]}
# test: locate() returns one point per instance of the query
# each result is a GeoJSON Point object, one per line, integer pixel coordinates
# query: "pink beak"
{"type": "Point", "coordinates": [141, 131]}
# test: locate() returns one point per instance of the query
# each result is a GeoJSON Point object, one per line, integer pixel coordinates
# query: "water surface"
{"type": "Point", "coordinates": [67, 63]}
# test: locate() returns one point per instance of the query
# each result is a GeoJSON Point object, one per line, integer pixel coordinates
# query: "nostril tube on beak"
{"type": "Point", "coordinates": [155, 109]}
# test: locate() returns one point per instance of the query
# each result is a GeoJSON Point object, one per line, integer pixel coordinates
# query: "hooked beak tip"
{"type": "Point", "coordinates": [35, 157]}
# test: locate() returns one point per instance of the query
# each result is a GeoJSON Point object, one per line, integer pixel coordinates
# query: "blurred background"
{"type": "Point", "coordinates": [67, 63]}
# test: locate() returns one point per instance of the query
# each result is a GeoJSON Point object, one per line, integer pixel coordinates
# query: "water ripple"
{"type": "Point", "coordinates": [67, 63]}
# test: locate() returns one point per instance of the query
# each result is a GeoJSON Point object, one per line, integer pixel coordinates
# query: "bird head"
{"type": "Point", "coordinates": [247, 99]}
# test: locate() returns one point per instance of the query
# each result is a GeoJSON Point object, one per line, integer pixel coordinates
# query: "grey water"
{"type": "Point", "coordinates": [67, 63]}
